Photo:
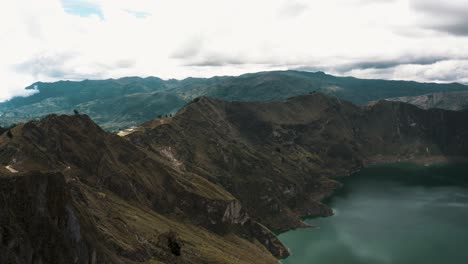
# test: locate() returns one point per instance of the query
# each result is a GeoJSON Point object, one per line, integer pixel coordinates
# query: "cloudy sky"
{"type": "Point", "coordinates": [48, 40]}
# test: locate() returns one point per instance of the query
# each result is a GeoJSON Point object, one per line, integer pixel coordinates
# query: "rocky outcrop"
{"type": "Point", "coordinates": [234, 214]}
{"type": "Point", "coordinates": [269, 240]}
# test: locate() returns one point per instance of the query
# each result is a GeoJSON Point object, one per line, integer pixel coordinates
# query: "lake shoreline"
{"type": "Point", "coordinates": [375, 161]}
{"type": "Point", "coordinates": [379, 161]}
{"type": "Point", "coordinates": [415, 168]}
{"type": "Point", "coordinates": [426, 160]}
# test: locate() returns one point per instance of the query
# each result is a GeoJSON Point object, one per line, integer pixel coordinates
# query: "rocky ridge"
{"type": "Point", "coordinates": [455, 101]}
{"type": "Point", "coordinates": [107, 201]}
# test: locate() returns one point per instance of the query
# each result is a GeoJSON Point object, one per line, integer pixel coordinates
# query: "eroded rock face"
{"type": "Point", "coordinates": [234, 214]}
{"type": "Point", "coordinates": [269, 240]}
{"type": "Point", "coordinates": [37, 218]}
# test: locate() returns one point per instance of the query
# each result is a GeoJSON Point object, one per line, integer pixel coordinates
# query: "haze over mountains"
{"type": "Point", "coordinates": [121, 103]}
{"type": "Point", "coordinates": [204, 186]}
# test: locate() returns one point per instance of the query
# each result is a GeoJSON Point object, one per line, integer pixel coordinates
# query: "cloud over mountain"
{"type": "Point", "coordinates": [64, 39]}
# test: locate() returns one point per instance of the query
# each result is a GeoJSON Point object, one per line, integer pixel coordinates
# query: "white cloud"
{"type": "Point", "coordinates": [40, 41]}
{"type": "Point", "coordinates": [442, 71]}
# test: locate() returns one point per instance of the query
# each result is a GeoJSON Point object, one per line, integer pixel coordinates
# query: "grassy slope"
{"type": "Point", "coordinates": [125, 199]}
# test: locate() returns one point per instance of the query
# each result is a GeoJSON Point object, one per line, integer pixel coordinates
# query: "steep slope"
{"type": "Point", "coordinates": [448, 100]}
{"type": "Point", "coordinates": [279, 158]}
{"type": "Point", "coordinates": [76, 194]}
{"type": "Point", "coordinates": [122, 103]}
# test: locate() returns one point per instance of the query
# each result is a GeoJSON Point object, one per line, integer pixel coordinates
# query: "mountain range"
{"type": "Point", "coordinates": [116, 104]}
{"type": "Point", "coordinates": [212, 183]}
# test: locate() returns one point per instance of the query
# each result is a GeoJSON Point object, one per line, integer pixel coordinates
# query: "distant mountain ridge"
{"type": "Point", "coordinates": [121, 103]}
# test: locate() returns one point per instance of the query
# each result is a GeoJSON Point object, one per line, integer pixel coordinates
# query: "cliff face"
{"type": "Point", "coordinates": [37, 218]}
{"type": "Point", "coordinates": [406, 131]}
{"type": "Point", "coordinates": [205, 186]}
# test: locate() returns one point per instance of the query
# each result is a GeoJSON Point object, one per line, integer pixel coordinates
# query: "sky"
{"type": "Point", "coordinates": [50, 40]}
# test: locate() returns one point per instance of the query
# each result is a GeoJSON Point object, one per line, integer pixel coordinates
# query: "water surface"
{"type": "Point", "coordinates": [397, 213]}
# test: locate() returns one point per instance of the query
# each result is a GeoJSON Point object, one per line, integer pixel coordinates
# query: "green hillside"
{"type": "Point", "coordinates": [119, 103]}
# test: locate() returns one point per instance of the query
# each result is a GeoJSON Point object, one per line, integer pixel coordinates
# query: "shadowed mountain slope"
{"type": "Point", "coordinates": [204, 186]}
{"type": "Point", "coordinates": [279, 158]}
{"type": "Point", "coordinates": [100, 199]}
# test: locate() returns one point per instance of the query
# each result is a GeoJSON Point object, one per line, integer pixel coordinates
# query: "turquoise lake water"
{"type": "Point", "coordinates": [399, 213]}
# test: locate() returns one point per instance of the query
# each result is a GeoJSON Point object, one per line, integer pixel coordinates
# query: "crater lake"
{"type": "Point", "coordinates": [395, 213]}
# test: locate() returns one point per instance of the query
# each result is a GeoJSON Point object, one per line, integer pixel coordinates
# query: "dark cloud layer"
{"type": "Point", "coordinates": [390, 63]}
{"type": "Point", "coordinates": [459, 29]}
{"type": "Point", "coordinates": [450, 16]}
{"type": "Point", "coordinates": [378, 64]}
